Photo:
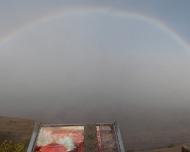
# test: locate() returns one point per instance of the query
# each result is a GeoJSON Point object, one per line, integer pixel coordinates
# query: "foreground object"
{"type": "Point", "coordinates": [22, 135]}
{"type": "Point", "coordinates": [77, 138]}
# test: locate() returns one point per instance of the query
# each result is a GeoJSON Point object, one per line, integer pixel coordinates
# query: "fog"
{"type": "Point", "coordinates": [100, 67]}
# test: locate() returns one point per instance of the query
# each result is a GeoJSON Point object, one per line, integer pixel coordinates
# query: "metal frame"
{"type": "Point", "coordinates": [118, 135]}
{"type": "Point", "coordinates": [33, 137]}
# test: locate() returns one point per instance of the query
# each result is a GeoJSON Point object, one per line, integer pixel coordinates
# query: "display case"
{"type": "Point", "coordinates": [100, 137]}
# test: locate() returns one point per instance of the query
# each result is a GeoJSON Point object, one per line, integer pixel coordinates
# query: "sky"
{"type": "Point", "coordinates": [96, 61]}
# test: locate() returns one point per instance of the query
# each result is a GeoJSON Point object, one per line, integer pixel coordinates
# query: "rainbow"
{"type": "Point", "coordinates": [157, 23]}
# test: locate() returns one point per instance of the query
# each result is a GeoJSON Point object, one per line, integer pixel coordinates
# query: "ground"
{"type": "Point", "coordinates": [15, 134]}
{"type": "Point", "coordinates": [168, 149]}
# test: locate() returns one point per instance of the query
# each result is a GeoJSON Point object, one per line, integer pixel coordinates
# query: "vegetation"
{"type": "Point", "coordinates": [10, 146]}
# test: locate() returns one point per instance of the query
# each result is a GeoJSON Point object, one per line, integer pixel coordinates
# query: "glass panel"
{"type": "Point", "coordinates": [76, 138]}
{"type": "Point", "coordinates": [60, 139]}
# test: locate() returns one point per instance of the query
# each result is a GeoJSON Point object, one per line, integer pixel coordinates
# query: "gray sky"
{"type": "Point", "coordinates": [174, 13]}
{"type": "Point", "coordinates": [96, 61]}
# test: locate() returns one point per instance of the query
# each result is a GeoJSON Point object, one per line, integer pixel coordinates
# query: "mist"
{"type": "Point", "coordinates": [100, 67]}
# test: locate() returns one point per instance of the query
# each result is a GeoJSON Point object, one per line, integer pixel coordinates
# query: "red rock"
{"type": "Point", "coordinates": [53, 148]}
